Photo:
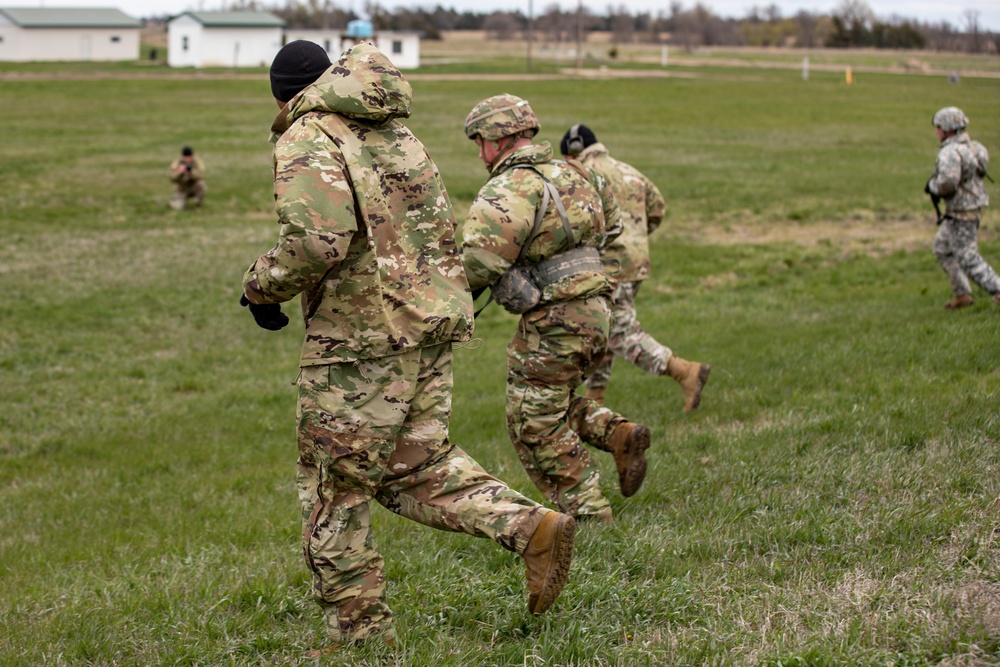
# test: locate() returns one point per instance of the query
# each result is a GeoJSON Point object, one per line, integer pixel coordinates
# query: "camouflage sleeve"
{"type": "Point", "coordinates": [613, 224]}
{"type": "Point", "coordinates": [197, 170]}
{"type": "Point", "coordinates": [948, 173]}
{"type": "Point", "coordinates": [656, 207]}
{"type": "Point", "coordinates": [175, 177]}
{"type": "Point", "coordinates": [982, 158]}
{"type": "Point", "coordinates": [498, 223]}
{"type": "Point", "coordinates": [315, 207]}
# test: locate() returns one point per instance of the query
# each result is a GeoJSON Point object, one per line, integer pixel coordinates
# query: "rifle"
{"type": "Point", "coordinates": [935, 199]}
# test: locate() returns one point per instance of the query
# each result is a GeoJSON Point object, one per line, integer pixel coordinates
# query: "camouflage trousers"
{"type": "Point", "coordinates": [554, 349]}
{"type": "Point", "coordinates": [378, 430]}
{"type": "Point", "coordinates": [628, 340]}
{"type": "Point", "coordinates": [958, 253]}
{"type": "Point", "coordinates": [186, 192]}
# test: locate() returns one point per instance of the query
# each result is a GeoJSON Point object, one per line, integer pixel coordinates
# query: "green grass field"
{"type": "Point", "coordinates": [834, 501]}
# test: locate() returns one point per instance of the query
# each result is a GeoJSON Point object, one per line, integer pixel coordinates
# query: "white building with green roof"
{"type": "Point", "coordinates": [67, 33]}
{"type": "Point", "coordinates": [223, 39]}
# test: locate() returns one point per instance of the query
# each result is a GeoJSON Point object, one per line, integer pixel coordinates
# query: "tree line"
{"type": "Point", "coordinates": [851, 24]}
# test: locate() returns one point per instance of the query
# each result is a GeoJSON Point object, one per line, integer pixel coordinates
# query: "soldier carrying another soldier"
{"type": "Point", "coordinates": [367, 238]}
{"type": "Point", "coordinates": [532, 236]}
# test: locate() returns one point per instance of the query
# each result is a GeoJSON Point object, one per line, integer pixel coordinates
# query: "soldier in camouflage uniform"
{"type": "Point", "coordinates": [627, 258]}
{"type": "Point", "coordinates": [958, 179]}
{"type": "Point", "coordinates": [367, 238]}
{"type": "Point", "coordinates": [545, 218]}
{"type": "Point", "coordinates": [188, 173]}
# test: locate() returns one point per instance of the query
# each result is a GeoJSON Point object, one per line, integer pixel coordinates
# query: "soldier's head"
{"type": "Point", "coordinates": [499, 124]}
{"type": "Point", "coordinates": [187, 154]}
{"type": "Point", "coordinates": [949, 121]}
{"type": "Point", "coordinates": [576, 139]}
{"type": "Point", "coordinates": [298, 64]}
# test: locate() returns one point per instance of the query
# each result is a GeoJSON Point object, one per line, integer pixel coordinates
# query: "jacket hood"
{"type": "Point", "coordinates": [362, 84]}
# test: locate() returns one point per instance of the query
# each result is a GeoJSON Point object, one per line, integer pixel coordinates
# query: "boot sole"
{"type": "Point", "coordinates": [560, 557]}
{"type": "Point", "coordinates": [635, 471]}
{"type": "Point", "coordinates": [702, 381]}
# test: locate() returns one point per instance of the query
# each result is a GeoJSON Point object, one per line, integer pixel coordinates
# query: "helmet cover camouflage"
{"type": "Point", "coordinates": [950, 119]}
{"type": "Point", "coordinates": [500, 116]}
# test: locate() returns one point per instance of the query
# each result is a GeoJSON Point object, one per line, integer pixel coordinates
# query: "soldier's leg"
{"type": "Point", "coordinates": [545, 365]}
{"type": "Point", "coordinates": [198, 193]}
{"type": "Point", "coordinates": [348, 416]}
{"type": "Point", "coordinates": [628, 340]}
{"type": "Point", "coordinates": [944, 249]}
{"type": "Point", "coordinates": [971, 262]}
{"type": "Point", "coordinates": [178, 199]}
{"type": "Point", "coordinates": [433, 482]}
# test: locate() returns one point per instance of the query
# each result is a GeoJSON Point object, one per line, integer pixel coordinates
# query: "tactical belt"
{"type": "Point", "coordinates": [567, 263]}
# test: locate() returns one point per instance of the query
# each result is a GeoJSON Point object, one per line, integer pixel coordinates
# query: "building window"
{"type": "Point", "coordinates": [397, 46]}
{"type": "Point", "coordinates": [184, 43]}
{"type": "Point", "coordinates": [326, 45]}
{"type": "Point", "coordinates": [115, 39]}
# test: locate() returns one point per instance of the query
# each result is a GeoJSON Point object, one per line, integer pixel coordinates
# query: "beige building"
{"type": "Point", "coordinates": [60, 34]}
{"type": "Point", "coordinates": [223, 39]}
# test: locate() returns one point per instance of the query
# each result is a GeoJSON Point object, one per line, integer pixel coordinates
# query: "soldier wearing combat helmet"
{"type": "Point", "coordinates": [532, 236]}
{"type": "Point", "coordinates": [962, 163]}
{"type": "Point", "coordinates": [367, 238]}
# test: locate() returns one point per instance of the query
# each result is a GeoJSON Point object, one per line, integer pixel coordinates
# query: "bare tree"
{"type": "Point", "coordinates": [972, 30]}
{"type": "Point", "coordinates": [503, 25]}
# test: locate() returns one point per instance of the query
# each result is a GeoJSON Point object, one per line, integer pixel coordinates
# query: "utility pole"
{"type": "Point", "coordinates": [579, 34]}
{"type": "Point", "coordinates": [531, 21]}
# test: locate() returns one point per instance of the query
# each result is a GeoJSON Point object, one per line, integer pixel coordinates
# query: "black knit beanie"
{"type": "Point", "coordinates": [297, 64]}
{"type": "Point", "coordinates": [584, 137]}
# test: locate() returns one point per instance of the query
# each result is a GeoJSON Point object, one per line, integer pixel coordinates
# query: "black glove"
{"type": "Point", "coordinates": [927, 187]}
{"type": "Point", "coordinates": [266, 315]}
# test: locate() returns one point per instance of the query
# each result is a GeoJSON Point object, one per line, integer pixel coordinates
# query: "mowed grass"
{"type": "Point", "coordinates": [833, 502]}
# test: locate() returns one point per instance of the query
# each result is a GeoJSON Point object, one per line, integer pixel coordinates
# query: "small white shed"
{"type": "Point", "coordinates": [223, 39]}
{"type": "Point", "coordinates": [50, 33]}
{"type": "Point", "coordinates": [402, 48]}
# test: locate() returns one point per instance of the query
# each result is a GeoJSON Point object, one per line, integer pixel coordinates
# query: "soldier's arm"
{"type": "Point", "coordinates": [613, 225]}
{"type": "Point", "coordinates": [493, 232]}
{"type": "Point", "coordinates": [948, 174]}
{"type": "Point", "coordinates": [656, 206]}
{"type": "Point", "coordinates": [197, 169]}
{"type": "Point", "coordinates": [315, 207]}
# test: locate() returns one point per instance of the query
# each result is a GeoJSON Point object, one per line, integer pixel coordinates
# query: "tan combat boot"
{"type": "Point", "coordinates": [629, 442]}
{"type": "Point", "coordinates": [547, 558]}
{"type": "Point", "coordinates": [960, 301]}
{"type": "Point", "coordinates": [595, 394]}
{"type": "Point", "coordinates": [692, 377]}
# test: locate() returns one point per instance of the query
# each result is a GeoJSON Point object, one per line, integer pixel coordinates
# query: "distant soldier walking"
{"type": "Point", "coordinates": [962, 163]}
{"type": "Point", "coordinates": [367, 238]}
{"type": "Point", "coordinates": [188, 173]}
{"type": "Point", "coordinates": [532, 236]}
{"type": "Point", "coordinates": [627, 258]}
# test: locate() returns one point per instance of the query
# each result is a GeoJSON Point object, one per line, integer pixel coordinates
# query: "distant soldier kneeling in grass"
{"type": "Point", "coordinates": [367, 237]}
{"type": "Point", "coordinates": [533, 236]}
{"type": "Point", "coordinates": [627, 258]}
{"type": "Point", "coordinates": [188, 173]}
{"type": "Point", "coordinates": [962, 163]}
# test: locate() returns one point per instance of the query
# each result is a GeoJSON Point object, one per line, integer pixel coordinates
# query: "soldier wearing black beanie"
{"type": "Point", "coordinates": [297, 65]}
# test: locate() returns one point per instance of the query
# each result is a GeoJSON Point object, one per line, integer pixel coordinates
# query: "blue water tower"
{"type": "Point", "coordinates": [360, 29]}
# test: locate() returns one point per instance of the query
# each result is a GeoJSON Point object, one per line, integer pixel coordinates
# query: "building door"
{"type": "Point", "coordinates": [85, 47]}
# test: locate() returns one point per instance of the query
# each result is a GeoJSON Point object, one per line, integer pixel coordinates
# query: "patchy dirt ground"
{"type": "Point", "coordinates": [878, 238]}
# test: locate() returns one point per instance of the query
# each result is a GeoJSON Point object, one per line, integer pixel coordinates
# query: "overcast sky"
{"type": "Point", "coordinates": [923, 10]}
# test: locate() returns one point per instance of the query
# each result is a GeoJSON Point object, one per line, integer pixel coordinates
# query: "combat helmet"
{"type": "Point", "coordinates": [501, 116]}
{"type": "Point", "coordinates": [950, 119]}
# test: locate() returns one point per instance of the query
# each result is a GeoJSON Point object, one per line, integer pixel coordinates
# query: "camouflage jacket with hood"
{"type": "Point", "coordinates": [367, 231]}
{"type": "Point", "coordinates": [642, 208]}
{"type": "Point", "coordinates": [503, 214]}
{"type": "Point", "coordinates": [961, 165]}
